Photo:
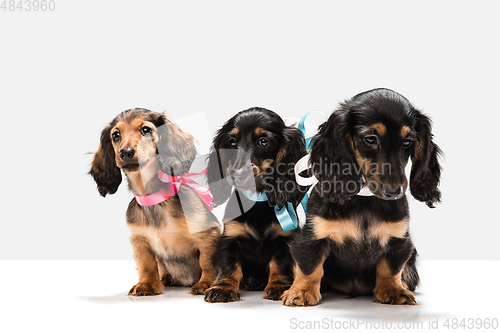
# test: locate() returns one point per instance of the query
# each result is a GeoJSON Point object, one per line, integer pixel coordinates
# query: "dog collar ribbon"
{"type": "Point", "coordinates": [286, 215]}
{"type": "Point", "coordinates": [175, 184]}
{"type": "Point", "coordinates": [302, 126]}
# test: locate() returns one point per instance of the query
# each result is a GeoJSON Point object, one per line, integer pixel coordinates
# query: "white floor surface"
{"type": "Point", "coordinates": [91, 296]}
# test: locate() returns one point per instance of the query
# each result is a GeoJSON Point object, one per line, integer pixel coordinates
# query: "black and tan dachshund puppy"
{"type": "Point", "coordinates": [361, 244]}
{"type": "Point", "coordinates": [172, 240]}
{"type": "Point", "coordinates": [254, 151]}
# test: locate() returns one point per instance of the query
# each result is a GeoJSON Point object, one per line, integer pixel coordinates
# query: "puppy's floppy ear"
{"type": "Point", "coordinates": [217, 172]}
{"type": "Point", "coordinates": [281, 186]}
{"type": "Point", "coordinates": [176, 149]}
{"type": "Point", "coordinates": [332, 158]}
{"type": "Point", "coordinates": [104, 170]}
{"type": "Point", "coordinates": [425, 171]}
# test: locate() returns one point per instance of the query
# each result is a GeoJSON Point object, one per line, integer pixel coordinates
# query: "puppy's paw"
{"type": "Point", "coordinates": [199, 288]}
{"type": "Point", "coordinates": [274, 291]}
{"type": "Point", "coordinates": [167, 280]}
{"type": "Point", "coordinates": [224, 294]}
{"type": "Point", "coordinates": [253, 283]}
{"type": "Point", "coordinates": [146, 289]}
{"type": "Point", "coordinates": [298, 297]}
{"type": "Point", "coordinates": [394, 295]}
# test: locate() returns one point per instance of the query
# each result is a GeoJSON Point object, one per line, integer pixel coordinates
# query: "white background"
{"type": "Point", "coordinates": [65, 74]}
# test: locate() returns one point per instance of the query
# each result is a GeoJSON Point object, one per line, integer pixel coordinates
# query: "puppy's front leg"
{"type": "Point", "coordinates": [280, 271]}
{"type": "Point", "coordinates": [149, 280]}
{"type": "Point", "coordinates": [278, 282]}
{"type": "Point", "coordinates": [305, 288]}
{"type": "Point", "coordinates": [309, 257]}
{"type": "Point", "coordinates": [389, 289]}
{"type": "Point", "coordinates": [207, 271]}
{"type": "Point", "coordinates": [229, 272]}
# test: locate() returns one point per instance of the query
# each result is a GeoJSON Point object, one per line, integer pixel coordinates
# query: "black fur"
{"type": "Point", "coordinates": [426, 171]}
{"type": "Point", "coordinates": [330, 153]}
{"type": "Point", "coordinates": [345, 140]}
{"type": "Point", "coordinates": [254, 251]}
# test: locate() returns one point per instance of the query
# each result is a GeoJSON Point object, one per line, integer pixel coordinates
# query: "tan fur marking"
{"type": "Point", "coordinates": [236, 277]}
{"type": "Point", "coordinates": [384, 275]}
{"type": "Point", "coordinates": [276, 284]}
{"type": "Point", "coordinates": [235, 131]}
{"type": "Point", "coordinates": [281, 153]}
{"type": "Point", "coordinates": [236, 229]}
{"type": "Point", "coordinates": [264, 165]}
{"type": "Point", "coordinates": [305, 288]}
{"type": "Point", "coordinates": [226, 289]}
{"type": "Point", "coordinates": [259, 131]}
{"type": "Point", "coordinates": [404, 131]}
{"type": "Point", "coordinates": [380, 128]}
{"type": "Point", "coordinates": [233, 281]}
{"type": "Point", "coordinates": [389, 289]}
{"type": "Point", "coordinates": [274, 274]}
{"type": "Point", "coordinates": [275, 230]}
{"type": "Point", "coordinates": [383, 231]}
{"type": "Point", "coordinates": [365, 164]}
{"type": "Point", "coordinates": [337, 230]}
{"type": "Point", "coordinates": [419, 151]}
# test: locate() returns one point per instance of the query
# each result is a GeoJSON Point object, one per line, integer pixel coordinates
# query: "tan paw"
{"type": "Point", "coordinates": [221, 294]}
{"type": "Point", "coordinates": [274, 291]}
{"type": "Point", "coordinates": [298, 297]}
{"type": "Point", "coordinates": [146, 289]}
{"type": "Point", "coordinates": [200, 287]}
{"type": "Point", "coordinates": [396, 295]}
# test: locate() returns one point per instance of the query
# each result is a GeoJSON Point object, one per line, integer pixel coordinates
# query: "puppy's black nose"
{"type": "Point", "coordinates": [392, 193]}
{"type": "Point", "coordinates": [126, 154]}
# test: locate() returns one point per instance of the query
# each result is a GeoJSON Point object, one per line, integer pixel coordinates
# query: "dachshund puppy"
{"type": "Point", "coordinates": [172, 242]}
{"type": "Point", "coordinates": [361, 244]}
{"type": "Point", "coordinates": [254, 151]}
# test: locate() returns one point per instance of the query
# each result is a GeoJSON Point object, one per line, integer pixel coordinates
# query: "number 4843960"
{"type": "Point", "coordinates": [28, 5]}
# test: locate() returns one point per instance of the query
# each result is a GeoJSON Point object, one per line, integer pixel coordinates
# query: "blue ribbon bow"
{"type": "Point", "coordinates": [302, 126]}
{"type": "Point", "coordinates": [286, 215]}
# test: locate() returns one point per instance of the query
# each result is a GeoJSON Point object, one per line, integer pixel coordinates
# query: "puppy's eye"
{"type": "Point", "coordinates": [116, 136]}
{"type": "Point", "coordinates": [146, 131]}
{"type": "Point", "coordinates": [407, 143]}
{"type": "Point", "coordinates": [232, 142]}
{"type": "Point", "coordinates": [263, 142]}
{"type": "Point", "coordinates": [371, 139]}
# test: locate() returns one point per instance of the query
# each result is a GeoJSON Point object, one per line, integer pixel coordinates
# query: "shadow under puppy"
{"type": "Point", "coordinates": [173, 239]}
{"type": "Point", "coordinates": [254, 151]}
{"type": "Point", "coordinates": [361, 244]}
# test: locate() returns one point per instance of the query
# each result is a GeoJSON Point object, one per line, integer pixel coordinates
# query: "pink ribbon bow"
{"type": "Point", "coordinates": [175, 184]}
